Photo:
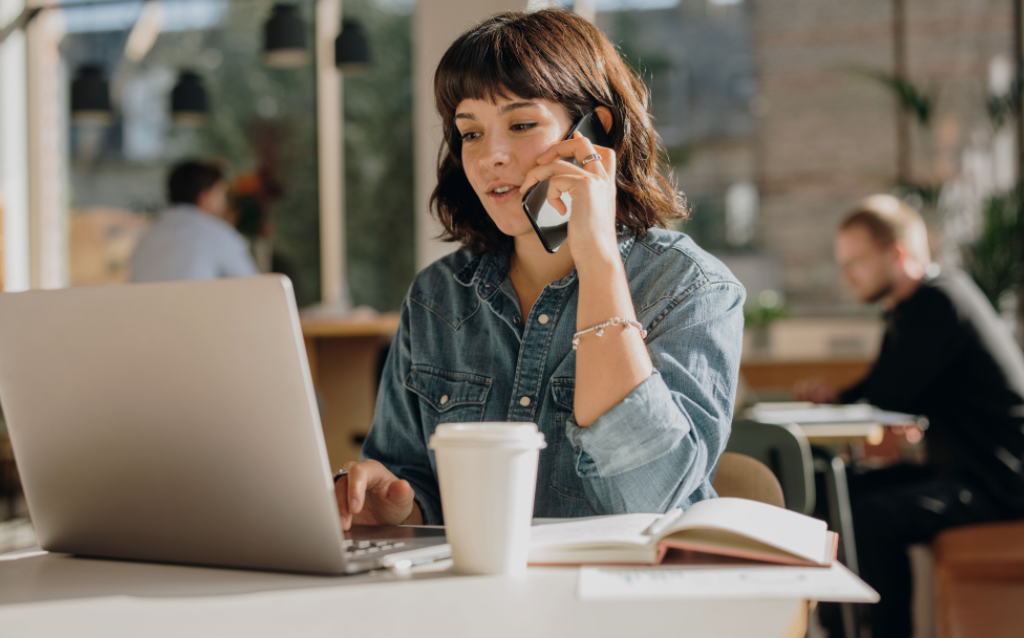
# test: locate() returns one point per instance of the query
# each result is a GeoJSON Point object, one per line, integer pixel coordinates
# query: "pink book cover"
{"type": "Point", "coordinates": [700, 554]}
{"type": "Point", "coordinates": [750, 555]}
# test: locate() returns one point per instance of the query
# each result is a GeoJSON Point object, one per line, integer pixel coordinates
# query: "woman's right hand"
{"type": "Point", "coordinates": [371, 495]}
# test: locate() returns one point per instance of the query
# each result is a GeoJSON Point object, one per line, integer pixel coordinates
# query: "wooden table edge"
{"type": "Point", "coordinates": [383, 325]}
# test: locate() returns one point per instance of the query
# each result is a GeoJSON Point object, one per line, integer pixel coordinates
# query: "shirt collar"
{"type": "Point", "coordinates": [488, 270]}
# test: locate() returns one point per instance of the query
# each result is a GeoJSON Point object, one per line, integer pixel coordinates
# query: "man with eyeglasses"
{"type": "Point", "coordinates": [945, 355]}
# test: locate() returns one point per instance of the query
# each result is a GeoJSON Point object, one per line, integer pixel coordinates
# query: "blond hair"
{"type": "Point", "coordinates": [889, 220]}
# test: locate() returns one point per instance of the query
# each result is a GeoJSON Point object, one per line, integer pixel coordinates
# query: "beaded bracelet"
{"type": "Point", "coordinates": [614, 321]}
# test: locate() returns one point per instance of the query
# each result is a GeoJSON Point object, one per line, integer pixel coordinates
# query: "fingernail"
{"type": "Point", "coordinates": [353, 504]}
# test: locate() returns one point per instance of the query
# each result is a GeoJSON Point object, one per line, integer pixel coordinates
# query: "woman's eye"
{"type": "Point", "coordinates": [469, 135]}
{"type": "Point", "coordinates": [524, 126]}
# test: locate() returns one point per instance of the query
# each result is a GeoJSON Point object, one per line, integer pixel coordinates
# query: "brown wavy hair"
{"type": "Point", "coordinates": [553, 55]}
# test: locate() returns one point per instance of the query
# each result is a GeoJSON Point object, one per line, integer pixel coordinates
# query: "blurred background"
{"type": "Point", "coordinates": [778, 116]}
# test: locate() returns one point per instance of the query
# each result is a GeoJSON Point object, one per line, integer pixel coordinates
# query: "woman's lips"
{"type": "Point", "coordinates": [512, 194]}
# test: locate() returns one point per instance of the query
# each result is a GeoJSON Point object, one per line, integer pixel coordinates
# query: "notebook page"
{"type": "Point", "coordinates": [795, 533]}
{"type": "Point", "coordinates": [627, 529]}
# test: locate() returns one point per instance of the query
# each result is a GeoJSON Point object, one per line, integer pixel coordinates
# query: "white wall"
{"type": "Point", "coordinates": [330, 130]}
{"type": "Point", "coordinates": [33, 112]}
{"type": "Point", "coordinates": [48, 111]}
{"type": "Point", "coordinates": [14, 152]}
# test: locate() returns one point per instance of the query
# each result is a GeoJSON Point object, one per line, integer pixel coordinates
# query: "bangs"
{"type": "Point", "coordinates": [505, 61]}
{"type": "Point", "coordinates": [553, 55]}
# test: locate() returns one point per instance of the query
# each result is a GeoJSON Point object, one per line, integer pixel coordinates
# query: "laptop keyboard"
{"type": "Point", "coordinates": [365, 548]}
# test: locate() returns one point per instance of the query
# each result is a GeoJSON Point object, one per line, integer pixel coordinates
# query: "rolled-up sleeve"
{"type": "Point", "coordinates": [396, 438]}
{"type": "Point", "coordinates": [659, 447]}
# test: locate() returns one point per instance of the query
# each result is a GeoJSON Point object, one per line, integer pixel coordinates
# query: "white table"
{"type": "Point", "coordinates": [56, 595]}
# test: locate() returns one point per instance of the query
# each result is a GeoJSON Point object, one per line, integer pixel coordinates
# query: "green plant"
{"type": "Point", "coordinates": [767, 309]}
{"type": "Point", "coordinates": [1002, 109]}
{"type": "Point", "coordinates": [379, 190]}
{"type": "Point", "coordinates": [913, 99]}
{"type": "Point", "coordinates": [263, 121]}
{"type": "Point", "coordinates": [996, 258]}
{"type": "Point", "coordinates": [928, 193]}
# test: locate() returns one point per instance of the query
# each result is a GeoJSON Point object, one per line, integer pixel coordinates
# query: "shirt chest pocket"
{"type": "Point", "coordinates": [448, 397]}
{"type": "Point", "coordinates": [564, 479]}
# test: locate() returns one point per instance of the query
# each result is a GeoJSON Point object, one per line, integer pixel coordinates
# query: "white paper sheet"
{"type": "Point", "coordinates": [835, 584]}
{"type": "Point", "coordinates": [784, 413]}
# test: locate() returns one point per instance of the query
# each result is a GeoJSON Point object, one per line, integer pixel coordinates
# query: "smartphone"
{"type": "Point", "coordinates": [551, 226]}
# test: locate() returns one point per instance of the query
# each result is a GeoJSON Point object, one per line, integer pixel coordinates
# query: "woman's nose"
{"type": "Point", "coordinates": [496, 153]}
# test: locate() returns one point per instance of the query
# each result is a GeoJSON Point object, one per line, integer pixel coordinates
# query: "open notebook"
{"type": "Point", "coordinates": [724, 526]}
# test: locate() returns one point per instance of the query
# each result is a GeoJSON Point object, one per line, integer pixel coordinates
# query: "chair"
{"type": "Point", "coordinates": [740, 476]}
{"type": "Point", "coordinates": [784, 449]}
{"type": "Point", "coordinates": [979, 580]}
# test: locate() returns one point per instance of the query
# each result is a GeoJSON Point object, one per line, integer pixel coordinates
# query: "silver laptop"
{"type": "Point", "coordinates": [176, 422]}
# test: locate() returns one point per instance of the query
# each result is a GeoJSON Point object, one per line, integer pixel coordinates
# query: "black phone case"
{"type": "Point", "coordinates": [553, 237]}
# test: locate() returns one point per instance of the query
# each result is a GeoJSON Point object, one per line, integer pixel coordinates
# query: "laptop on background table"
{"type": "Point", "coordinates": [176, 422]}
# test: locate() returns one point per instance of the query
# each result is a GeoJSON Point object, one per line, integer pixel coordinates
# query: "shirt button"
{"type": "Point", "coordinates": [525, 401]}
{"type": "Point", "coordinates": [444, 399]}
{"type": "Point", "coordinates": [516, 319]}
{"type": "Point", "coordinates": [543, 319]}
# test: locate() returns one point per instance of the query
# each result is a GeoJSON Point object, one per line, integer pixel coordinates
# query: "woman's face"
{"type": "Point", "coordinates": [501, 141]}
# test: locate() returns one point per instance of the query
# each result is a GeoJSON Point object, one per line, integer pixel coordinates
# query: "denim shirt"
{"type": "Point", "coordinates": [463, 353]}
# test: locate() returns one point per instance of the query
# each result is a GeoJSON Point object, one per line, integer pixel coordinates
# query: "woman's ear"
{"type": "Point", "coordinates": [605, 115]}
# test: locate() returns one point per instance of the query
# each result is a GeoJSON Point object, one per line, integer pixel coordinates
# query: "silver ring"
{"type": "Point", "coordinates": [593, 157]}
{"type": "Point", "coordinates": [340, 473]}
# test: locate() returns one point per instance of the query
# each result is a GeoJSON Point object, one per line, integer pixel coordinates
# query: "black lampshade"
{"type": "Point", "coordinates": [284, 43]}
{"type": "Point", "coordinates": [188, 100]}
{"type": "Point", "coordinates": [351, 50]}
{"type": "Point", "coordinates": [90, 96]}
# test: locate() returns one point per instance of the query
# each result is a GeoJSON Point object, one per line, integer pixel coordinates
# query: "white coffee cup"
{"type": "Point", "coordinates": [488, 475]}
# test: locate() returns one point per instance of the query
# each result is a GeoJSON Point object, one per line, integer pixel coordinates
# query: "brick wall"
{"type": "Point", "coordinates": [826, 137]}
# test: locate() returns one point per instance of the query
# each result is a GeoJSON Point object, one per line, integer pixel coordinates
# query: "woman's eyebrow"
{"type": "Point", "coordinates": [511, 106]}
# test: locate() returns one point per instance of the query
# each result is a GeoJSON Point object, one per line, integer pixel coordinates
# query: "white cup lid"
{"type": "Point", "coordinates": [518, 435]}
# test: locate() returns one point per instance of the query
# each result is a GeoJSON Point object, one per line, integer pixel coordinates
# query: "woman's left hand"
{"type": "Point", "coordinates": [592, 188]}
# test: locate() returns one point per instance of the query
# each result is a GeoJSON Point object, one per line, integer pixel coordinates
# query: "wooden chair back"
{"type": "Point", "coordinates": [741, 476]}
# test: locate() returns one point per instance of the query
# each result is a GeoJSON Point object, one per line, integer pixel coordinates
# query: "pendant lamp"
{"type": "Point", "coordinates": [351, 50]}
{"type": "Point", "coordinates": [284, 42]}
{"type": "Point", "coordinates": [188, 100]}
{"type": "Point", "coordinates": [90, 96]}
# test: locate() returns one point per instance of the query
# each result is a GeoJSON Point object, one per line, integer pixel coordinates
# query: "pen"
{"type": "Point", "coordinates": [662, 523]}
{"type": "Point", "coordinates": [404, 560]}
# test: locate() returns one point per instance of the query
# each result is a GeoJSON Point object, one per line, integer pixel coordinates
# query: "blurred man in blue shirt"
{"type": "Point", "coordinates": [191, 239]}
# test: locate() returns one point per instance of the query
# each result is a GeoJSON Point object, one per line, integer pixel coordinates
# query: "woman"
{"type": "Point", "coordinates": [636, 416]}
